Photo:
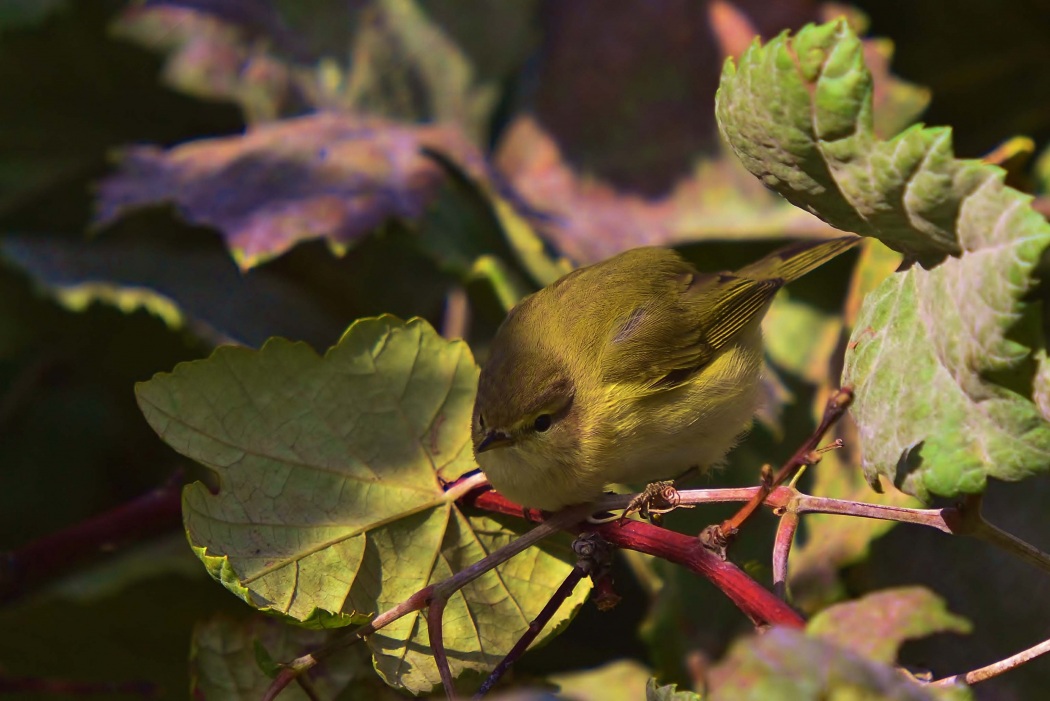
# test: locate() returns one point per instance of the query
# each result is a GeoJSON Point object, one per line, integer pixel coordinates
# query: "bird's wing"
{"type": "Point", "coordinates": [690, 317]}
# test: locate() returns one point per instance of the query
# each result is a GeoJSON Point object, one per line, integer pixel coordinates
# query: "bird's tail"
{"type": "Point", "coordinates": [795, 260]}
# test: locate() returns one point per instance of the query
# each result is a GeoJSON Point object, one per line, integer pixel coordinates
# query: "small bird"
{"type": "Point", "coordinates": [635, 369]}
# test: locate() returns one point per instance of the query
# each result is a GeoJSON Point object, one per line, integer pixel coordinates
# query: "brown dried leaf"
{"type": "Point", "coordinates": [590, 220]}
{"type": "Point", "coordinates": [329, 176]}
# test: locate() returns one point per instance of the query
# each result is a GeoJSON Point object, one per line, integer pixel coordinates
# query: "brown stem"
{"type": "Point", "coordinates": [156, 512]}
{"type": "Point", "coordinates": [833, 411]}
{"type": "Point", "coordinates": [997, 668]}
{"type": "Point", "coordinates": [435, 610]}
{"type": "Point", "coordinates": [963, 520]}
{"type": "Point", "coordinates": [781, 550]}
{"type": "Point", "coordinates": [806, 504]}
{"type": "Point", "coordinates": [308, 687]}
{"type": "Point", "coordinates": [533, 630]}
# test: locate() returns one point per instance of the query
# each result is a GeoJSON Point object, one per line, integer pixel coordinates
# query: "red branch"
{"type": "Point", "coordinates": [156, 512]}
{"type": "Point", "coordinates": [757, 602]}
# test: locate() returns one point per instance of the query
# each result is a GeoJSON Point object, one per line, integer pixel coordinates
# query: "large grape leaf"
{"type": "Point", "coordinates": [331, 507]}
{"type": "Point", "coordinates": [942, 358]}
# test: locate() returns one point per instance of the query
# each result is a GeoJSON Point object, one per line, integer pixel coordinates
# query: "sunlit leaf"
{"type": "Point", "coordinates": [944, 392]}
{"type": "Point", "coordinates": [798, 112]}
{"type": "Point", "coordinates": [331, 506]}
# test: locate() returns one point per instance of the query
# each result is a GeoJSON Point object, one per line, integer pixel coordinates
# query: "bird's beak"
{"type": "Point", "coordinates": [493, 439]}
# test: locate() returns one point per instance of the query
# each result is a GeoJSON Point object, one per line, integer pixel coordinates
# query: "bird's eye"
{"type": "Point", "coordinates": [542, 422]}
{"type": "Point", "coordinates": [481, 422]}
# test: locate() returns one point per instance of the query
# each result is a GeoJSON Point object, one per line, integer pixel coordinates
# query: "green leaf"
{"type": "Point", "coordinates": [787, 664]}
{"type": "Point", "coordinates": [942, 398]}
{"type": "Point", "coordinates": [668, 692]}
{"type": "Point", "coordinates": [331, 506]}
{"type": "Point", "coordinates": [941, 359]}
{"type": "Point", "coordinates": [227, 657]}
{"type": "Point", "coordinates": [798, 113]}
{"type": "Point", "coordinates": [876, 625]}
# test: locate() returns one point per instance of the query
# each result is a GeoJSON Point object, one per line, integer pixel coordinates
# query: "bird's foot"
{"type": "Point", "coordinates": [657, 499]}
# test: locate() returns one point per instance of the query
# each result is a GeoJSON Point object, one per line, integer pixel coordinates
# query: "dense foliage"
{"type": "Point", "coordinates": [326, 208]}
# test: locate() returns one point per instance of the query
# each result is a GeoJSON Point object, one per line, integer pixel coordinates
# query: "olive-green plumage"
{"type": "Point", "coordinates": [630, 370]}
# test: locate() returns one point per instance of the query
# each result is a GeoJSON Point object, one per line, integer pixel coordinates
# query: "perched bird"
{"type": "Point", "coordinates": [634, 369]}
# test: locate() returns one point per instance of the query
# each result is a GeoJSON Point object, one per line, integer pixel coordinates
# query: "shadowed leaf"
{"type": "Point", "coordinates": [326, 176]}
{"type": "Point", "coordinates": [225, 656]}
{"type": "Point", "coordinates": [213, 59]}
{"type": "Point", "coordinates": [331, 508]}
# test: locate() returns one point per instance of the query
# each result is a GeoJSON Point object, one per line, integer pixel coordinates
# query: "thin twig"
{"type": "Point", "coordinates": [806, 504]}
{"type": "Point", "coordinates": [997, 668]}
{"type": "Point", "coordinates": [781, 550]}
{"type": "Point", "coordinates": [537, 625]}
{"type": "Point", "coordinates": [721, 535]}
{"type": "Point", "coordinates": [963, 520]}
